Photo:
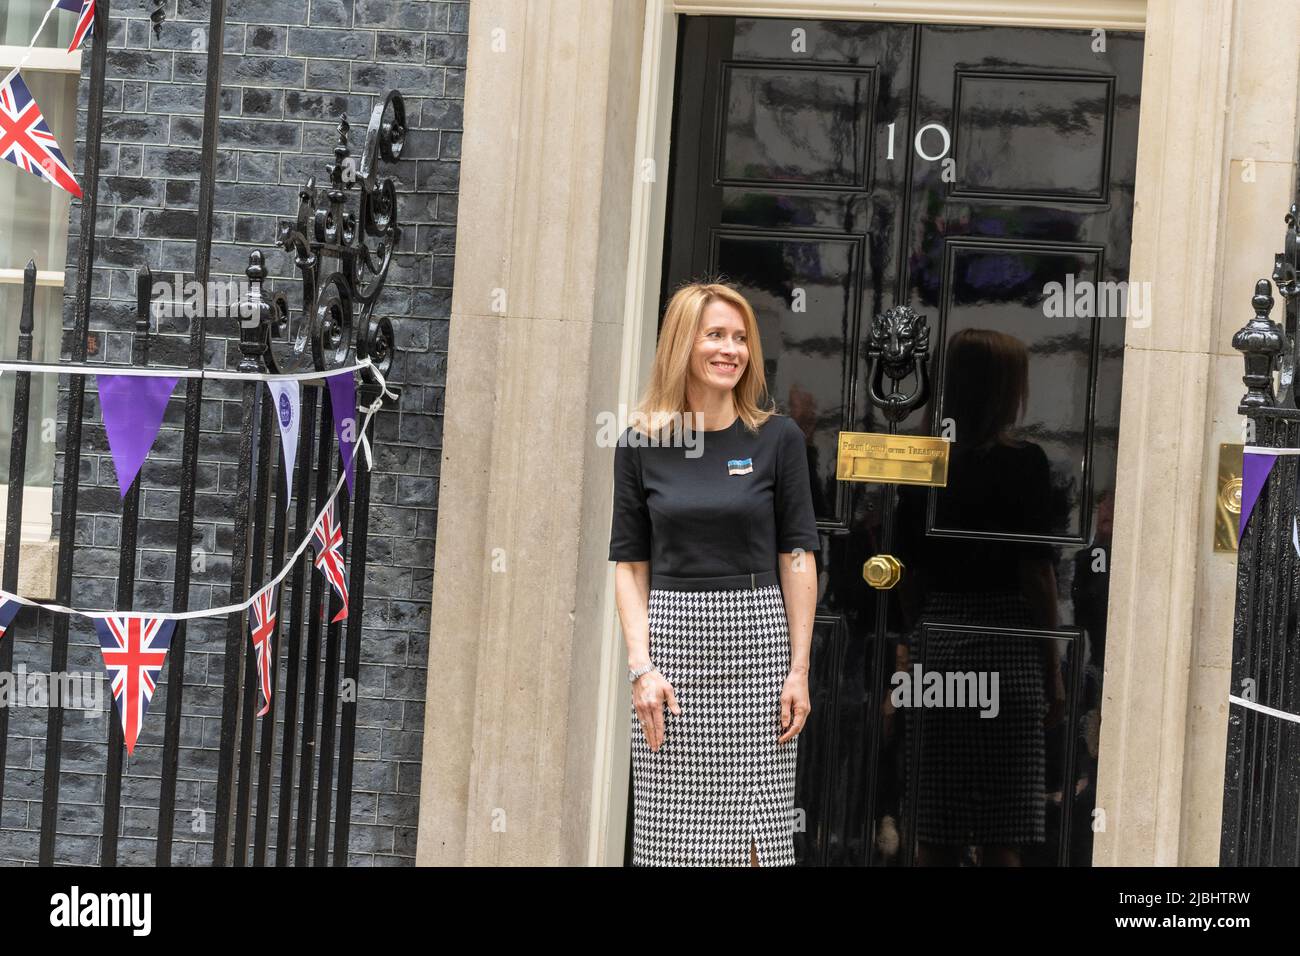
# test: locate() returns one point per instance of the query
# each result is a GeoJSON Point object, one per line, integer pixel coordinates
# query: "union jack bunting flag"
{"type": "Point", "coordinates": [262, 627]}
{"type": "Point", "coordinates": [85, 10]}
{"type": "Point", "coordinates": [26, 140]}
{"type": "Point", "coordinates": [327, 541]}
{"type": "Point", "coordinates": [7, 611]}
{"type": "Point", "coordinates": [134, 648]}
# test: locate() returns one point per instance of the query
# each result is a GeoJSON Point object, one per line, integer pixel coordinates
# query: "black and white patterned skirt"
{"type": "Point", "coordinates": [720, 779]}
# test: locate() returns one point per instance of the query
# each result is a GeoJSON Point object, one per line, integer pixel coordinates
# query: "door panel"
{"type": "Point", "coordinates": [996, 285]}
{"type": "Point", "coordinates": [832, 109]}
{"type": "Point", "coordinates": [1007, 567]}
{"type": "Point", "coordinates": [1032, 136]}
{"type": "Point", "coordinates": [806, 171]}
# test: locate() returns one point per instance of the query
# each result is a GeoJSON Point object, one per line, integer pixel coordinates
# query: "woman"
{"type": "Point", "coordinates": [713, 517]}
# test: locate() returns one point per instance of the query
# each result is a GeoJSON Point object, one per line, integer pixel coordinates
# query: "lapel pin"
{"type": "Point", "coordinates": [740, 466]}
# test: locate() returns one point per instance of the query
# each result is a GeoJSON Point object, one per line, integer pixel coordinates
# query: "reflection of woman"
{"type": "Point", "coordinates": [715, 595]}
{"type": "Point", "coordinates": [981, 779]}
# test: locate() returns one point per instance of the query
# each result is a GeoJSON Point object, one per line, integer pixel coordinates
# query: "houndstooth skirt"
{"type": "Point", "coordinates": [720, 778]}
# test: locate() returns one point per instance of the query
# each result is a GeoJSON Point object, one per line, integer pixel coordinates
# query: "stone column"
{"type": "Point", "coordinates": [534, 352]}
{"type": "Point", "coordinates": [1260, 170]}
{"type": "Point", "coordinates": [1217, 86]}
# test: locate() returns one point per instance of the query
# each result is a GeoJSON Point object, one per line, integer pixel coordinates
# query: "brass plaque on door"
{"type": "Point", "coordinates": [893, 459]}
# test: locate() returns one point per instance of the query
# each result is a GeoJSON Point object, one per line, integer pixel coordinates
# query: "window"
{"type": "Point", "coordinates": [34, 225]}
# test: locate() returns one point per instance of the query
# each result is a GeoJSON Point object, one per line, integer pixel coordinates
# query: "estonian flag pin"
{"type": "Point", "coordinates": [740, 466]}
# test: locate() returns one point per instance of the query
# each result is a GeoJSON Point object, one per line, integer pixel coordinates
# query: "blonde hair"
{"type": "Point", "coordinates": [664, 400]}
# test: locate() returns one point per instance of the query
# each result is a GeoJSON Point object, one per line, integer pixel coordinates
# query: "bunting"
{"type": "Point", "coordinates": [327, 541]}
{"type": "Point", "coordinates": [343, 405]}
{"type": "Point", "coordinates": [286, 399]}
{"type": "Point", "coordinates": [1256, 464]}
{"type": "Point", "coordinates": [262, 621]}
{"type": "Point", "coordinates": [134, 649]}
{"type": "Point", "coordinates": [133, 407]}
{"type": "Point", "coordinates": [8, 609]}
{"type": "Point", "coordinates": [85, 10]}
{"type": "Point", "coordinates": [25, 137]}
{"type": "Point", "coordinates": [135, 644]}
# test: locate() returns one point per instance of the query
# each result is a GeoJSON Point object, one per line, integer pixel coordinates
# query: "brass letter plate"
{"type": "Point", "coordinates": [893, 459]}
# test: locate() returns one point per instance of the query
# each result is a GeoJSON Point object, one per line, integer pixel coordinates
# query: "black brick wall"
{"type": "Point", "coordinates": [292, 68]}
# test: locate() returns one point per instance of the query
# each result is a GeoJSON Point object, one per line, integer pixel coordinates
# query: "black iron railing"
{"type": "Point", "coordinates": [1261, 789]}
{"type": "Point", "coordinates": [342, 258]}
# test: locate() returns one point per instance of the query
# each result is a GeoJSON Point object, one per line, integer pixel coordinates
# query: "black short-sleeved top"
{"type": "Point", "coordinates": [726, 506]}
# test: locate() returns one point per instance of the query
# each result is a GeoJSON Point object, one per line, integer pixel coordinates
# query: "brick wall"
{"type": "Point", "coordinates": [292, 69]}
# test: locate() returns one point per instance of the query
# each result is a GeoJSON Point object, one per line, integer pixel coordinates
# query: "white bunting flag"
{"type": "Point", "coordinates": [285, 396]}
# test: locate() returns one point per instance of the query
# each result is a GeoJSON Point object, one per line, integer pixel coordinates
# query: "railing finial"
{"type": "Point", "coordinates": [1261, 342]}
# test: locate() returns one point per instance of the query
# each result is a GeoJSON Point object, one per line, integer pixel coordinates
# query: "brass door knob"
{"type": "Point", "coordinates": [883, 571]}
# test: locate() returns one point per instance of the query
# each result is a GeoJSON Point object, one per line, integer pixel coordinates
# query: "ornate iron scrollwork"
{"type": "Point", "coordinates": [343, 257]}
{"type": "Point", "coordinates": [158, 16]}
{"type": "Point", "coordinates": [899, 348]}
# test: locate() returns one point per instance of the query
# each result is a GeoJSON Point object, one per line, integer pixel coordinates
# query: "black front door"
{"type": "Point", "coordinates": [982, 176]}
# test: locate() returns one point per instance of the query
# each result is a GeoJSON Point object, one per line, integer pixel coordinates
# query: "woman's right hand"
{"type": "Point", "coordinates": [650, 692]}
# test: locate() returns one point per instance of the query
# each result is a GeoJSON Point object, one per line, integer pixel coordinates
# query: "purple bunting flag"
{"type": "Point", "coordinates": [133, 407]}
{"type": "Point", "coordinates": [343, 404]}
{"type": "Point", "coordinates": [1255, 468]}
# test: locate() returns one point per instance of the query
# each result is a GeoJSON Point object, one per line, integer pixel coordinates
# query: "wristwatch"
{"type": "Point", "coordinates": [632, 675]}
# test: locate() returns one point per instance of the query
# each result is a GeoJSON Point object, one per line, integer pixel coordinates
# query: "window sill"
{"type": "Point", "coordinates": [38, 551]}
{"type": "Point", "coordinates": [38, 562]}
{"type": "Point", "coordinates": [48, 58]}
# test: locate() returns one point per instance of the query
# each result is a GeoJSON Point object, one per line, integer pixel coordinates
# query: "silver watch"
{"type": "Point", "coordinates": [632, 675]}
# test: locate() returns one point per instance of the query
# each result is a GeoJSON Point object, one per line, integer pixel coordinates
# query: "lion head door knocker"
{"type": "Point", "coordinates": [900, 349]}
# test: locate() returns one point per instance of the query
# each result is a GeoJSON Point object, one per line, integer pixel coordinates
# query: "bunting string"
{"type": "Point", "coordinates": [385, 392]}
{"type": "Point", "coordinates": [88, 368]}
{"type": "Point", "coordinates": [1272, 712]}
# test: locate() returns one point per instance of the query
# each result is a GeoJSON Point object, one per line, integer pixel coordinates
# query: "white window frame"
{"type": "Point", "coordinates": [38, 503]}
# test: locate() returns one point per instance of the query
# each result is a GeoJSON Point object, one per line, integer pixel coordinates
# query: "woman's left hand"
{"type": "Point", "coordinates": [795, 706]}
